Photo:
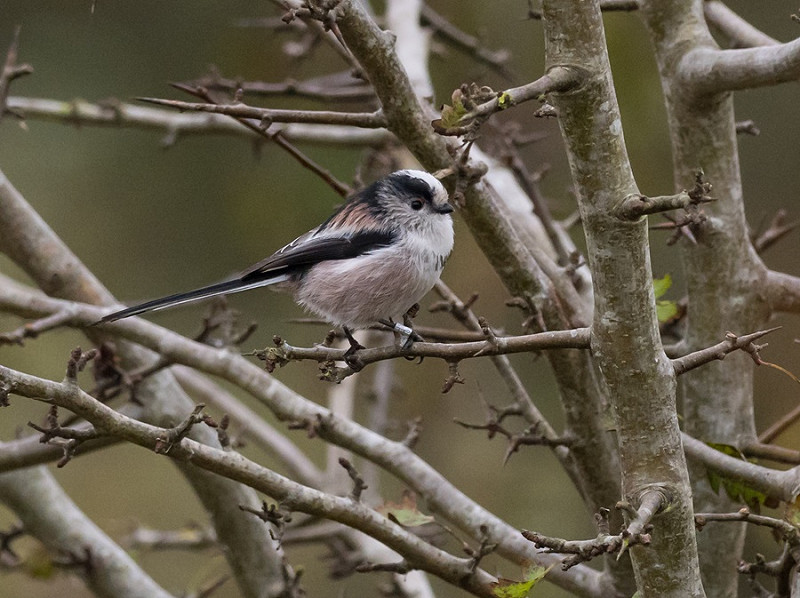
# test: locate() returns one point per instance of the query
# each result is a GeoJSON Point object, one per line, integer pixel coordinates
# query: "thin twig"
{"type": "Point", "coordinates": [262, 128]}
{"type": "Point", "coordinates": [367, 120]}
{"type": "Point", "coordinates": [497, 59]}
{"type": "Point", "coordinates": [731, 343]}
{"type": "Point", "coordinates": [11, 71]}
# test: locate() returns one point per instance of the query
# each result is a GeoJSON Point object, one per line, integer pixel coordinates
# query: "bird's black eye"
{"type": "Point", "coordinates": [416, 204]}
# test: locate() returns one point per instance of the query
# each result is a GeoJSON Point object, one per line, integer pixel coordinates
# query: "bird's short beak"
{"type": "Point", "coordinates": [445, 208]}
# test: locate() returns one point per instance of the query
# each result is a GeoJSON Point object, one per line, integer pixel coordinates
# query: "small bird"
{"type": "Point", "coordinates": [371, 261]}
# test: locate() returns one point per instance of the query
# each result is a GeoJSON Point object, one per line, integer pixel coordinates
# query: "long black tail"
{"type": "Point", "coordinates": [221, 288]}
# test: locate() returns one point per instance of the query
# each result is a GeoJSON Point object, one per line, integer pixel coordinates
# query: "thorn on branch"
{"type": "Point", "coordinates": [636, 533]}
{"type": "Point", "coordinates": [719, 351]}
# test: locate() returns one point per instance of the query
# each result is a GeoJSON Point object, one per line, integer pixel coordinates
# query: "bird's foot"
{"type": "Point", "coordinates": [405, 333]}
{"type": "Point", "coordinates": [350, 356]}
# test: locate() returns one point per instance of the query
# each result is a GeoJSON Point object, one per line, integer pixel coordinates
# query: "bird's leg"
{"type": "Point", "coordinates": [405, 331]}
{"type": "Point", "coordinates": [350, 354]}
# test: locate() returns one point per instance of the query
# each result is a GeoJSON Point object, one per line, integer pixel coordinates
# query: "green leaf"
{"type": "Point", "coordinates": [666, 310]}
{"type": "Point", "coordinates": [405, 512]}
{"type": "Point", "coordinates": [736, 488]}
{"type": "Point", "coordinates": [662, 285]}
{"type": "Point", "coordinates": [508, 588]}
{"type": "Point", "coordinates": [451, 115]}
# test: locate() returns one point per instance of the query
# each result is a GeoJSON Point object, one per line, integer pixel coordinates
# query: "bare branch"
{"type": "Point", "coordinates": [336, 87]}
{"type": "Point", "coordinates": [637, 532]}
{"type": "Point", "coordinates": [113, 113]}
{"type": "Point", "coordinates": [11, 70]}
{"type": "Point", "coordinates": [731, 343]}
{"type": "Point", "coordinates": [292, 496]}
{"type": "Point", "coordinates": [789, 532]}
{"type": "Point", "coordinates": [251, 426]}
{"type": "Point", "coordinates": [783, 485]}
{"type": "Point", "coordinates": [473, 46]}
{"type": "Point", "coordinates": [778, 228]}
{"type": "Point", "coordinates": [367, 120]}
{"type": "Point", "coordinates": [636, 206]}
{"type": "Point", "coordinates": [48, 513]}
{"type": "Point", "coordinates": [558, 79]}
{"type": "Point", "coordinates": [740, 32]}
{"type": "Point", "coordinates": [710, 71]}
{"type": "Point", "coordinates": [287, 405]}
{"type": "Point", "coordinates": [577, 338]}
{"type": "Point", "coordinates": [34, 329]}
{"type": "Point", "coordinates": [779, 454]}
{"type": "Point", "coordinates": [262, 128]}
{"type": "Point", "coordinates": [780, 426]}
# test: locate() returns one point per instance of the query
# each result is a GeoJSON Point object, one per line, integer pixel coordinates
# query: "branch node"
{"type": "Point", "coordinates": [359, 485]}
{"type": "Point", "coordinates": [172, 436]}
{"type": "Point", "coordinates": [77, 361]}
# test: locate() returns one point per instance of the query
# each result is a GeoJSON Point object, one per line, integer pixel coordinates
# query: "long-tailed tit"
{"type": "Point", "coordinates": [372, 260]}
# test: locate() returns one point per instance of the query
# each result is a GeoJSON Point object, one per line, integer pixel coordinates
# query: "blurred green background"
{"type": "Point", "coordinates": [151, 221]}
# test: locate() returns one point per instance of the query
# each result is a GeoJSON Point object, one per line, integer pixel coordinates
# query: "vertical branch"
{"type": "Point", "coordinates": [724, 276]}
{"type": "Point", "coordinates": [494, 229]}
{"type": "Point", "coordinates": [625, 337]}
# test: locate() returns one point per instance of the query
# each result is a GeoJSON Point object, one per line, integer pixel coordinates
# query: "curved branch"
{"type": "Point", "coordinates": [291, 495]}
{"type": "Point", "coordinates": [710, 71]}
{"type": "Point", "coordinates": [784, 485]}
{"type": "Point", "coordinates": [441, 496]}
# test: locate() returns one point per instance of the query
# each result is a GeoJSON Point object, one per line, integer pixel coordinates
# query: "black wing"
{"type": "Point", "coordinates": [307, 251]}
{"type": "Point", "coordinates": [300, 253]}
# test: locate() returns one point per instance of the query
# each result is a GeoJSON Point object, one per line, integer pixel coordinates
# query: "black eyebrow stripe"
{"type": "Point", "coordinates": [416, 186]}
